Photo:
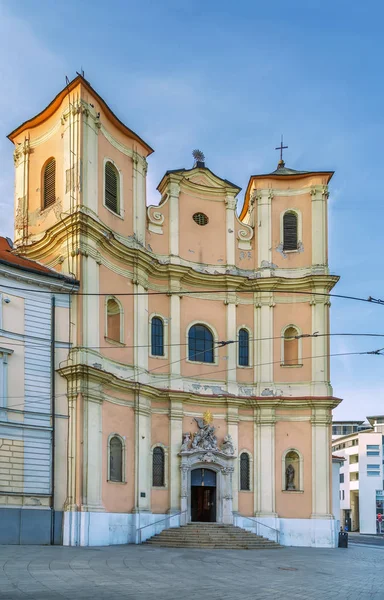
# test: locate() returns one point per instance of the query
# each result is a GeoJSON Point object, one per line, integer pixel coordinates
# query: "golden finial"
{"type": "Point", "coordinates": [208, 418]}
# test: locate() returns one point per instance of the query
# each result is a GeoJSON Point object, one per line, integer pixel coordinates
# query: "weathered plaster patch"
{"type": "Point", "coordinates": [265, 264]}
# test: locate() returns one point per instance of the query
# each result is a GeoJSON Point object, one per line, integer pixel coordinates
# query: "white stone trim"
{"type": "Point", "coordinates": [300, 346]}
{"type": "Point", "coordinates": [123, 458]}
{"type": "Point", "coordinates": [250, 348]}
{"type": "Point", "coordinates": [215, 342]}
{"type": "Point", "coordinates": [165, 322]}
{"type": "Point", "coordinates": [299, 216]}
{"type": "Point", "coordinates": [121, 340]}
{"type": "Point", "coordinates": [120, 199]}
{"type": "Point", "coordinates": [4, 353]}
{"type": "Point", "coordinates": [251, 467]}
{"type": "Point", "coordinates": [301, 470]}
{"type": "Point", "coordinates": [166, 478]}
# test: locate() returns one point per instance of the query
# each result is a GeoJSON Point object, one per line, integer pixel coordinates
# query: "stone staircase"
{"type": "Point", "coordinates": [210, 535]}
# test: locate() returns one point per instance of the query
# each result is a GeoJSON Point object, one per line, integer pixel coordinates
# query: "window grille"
{"type": "Point", "coordinates": [290, 231]}
{"type": "Point", "coordinates": [115, 459]}
{"type": "Point", "coordinates": [158, 470]}
{"type": "Point", "coordinates": [243, 348]}
{"type": "Point", "coordinates": [49, 183]}
{"type": "Point", "coordinates": [111, 188]}
{"type": "Point", "coordinates": [200, 344]}
{"type": "Point", "coordinates": [245, 475]}
{"type": "Point", "coordinates": [157, 337]}
{"type": "Point", "coordinates": [200, 219]}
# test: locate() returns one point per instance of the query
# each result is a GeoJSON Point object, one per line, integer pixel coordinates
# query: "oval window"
{"type": "Point", "coordinates": [200, 218]}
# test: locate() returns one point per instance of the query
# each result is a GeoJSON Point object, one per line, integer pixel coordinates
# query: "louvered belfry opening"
{"type": "Point", "coordinates": [290, 231]}
{"type": "Point", "coordinates": [49, 183]}
{"type": "Point", "coordinates": [111, 188]}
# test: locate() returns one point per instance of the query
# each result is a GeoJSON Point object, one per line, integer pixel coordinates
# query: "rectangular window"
{"type": "Point", "coordinates": [372, 446]}
{"type": "Point", "coordinates": [4, 354]}
{"type": "Point", "coordinates": [373, 453]}
{"type": "Point", "coordinates": [343, 494]}
{"type": "Point", "coordinates": [373, 473]}
{"type": "Point", "coordinates": [375, 466]}
{"type": "Point", "coordinates": [341, 477]}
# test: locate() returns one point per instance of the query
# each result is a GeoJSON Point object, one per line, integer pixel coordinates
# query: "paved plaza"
{"type": "Point", "coordinates": [131, 572]}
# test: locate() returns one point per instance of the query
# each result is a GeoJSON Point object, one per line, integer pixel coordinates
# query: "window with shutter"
{"type": "Point", "coordinates": [290, 231]}
{"type": "Point", "coordinates": [49, 183]}
{"type": "Point", "coordinates": [158, 470]}
{"type": "Point", "coordinates": [112, 188]}
{"type": "Point", "coordinates": [243, 348]}
{"type": "Point", "coordinates": [245, 476]}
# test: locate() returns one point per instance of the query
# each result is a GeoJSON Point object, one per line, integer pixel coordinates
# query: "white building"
{"type": "Point", "coordinates": [361, 476]}
{"type": "Point", "coordinates": [34, 329]}
{"type": "Point", "coordinates": [340, 428]}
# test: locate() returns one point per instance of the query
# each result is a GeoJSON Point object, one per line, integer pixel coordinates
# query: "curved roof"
{"type": "Point", "coordinates": [49, 110]}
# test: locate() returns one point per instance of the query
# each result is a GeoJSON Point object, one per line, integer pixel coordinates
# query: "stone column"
{"type": "Point", "coordinates": [175, 440]}
{"type": "Point", "coordinates": [321, 461]}
{"type": "Point", "coordinates": [227, 487]}
{"type": "Point", "coordinates": [265, 459]}
{"type": "Point", "coordinates": [233, 430]}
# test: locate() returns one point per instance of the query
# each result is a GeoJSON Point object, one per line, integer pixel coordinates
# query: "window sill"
{"type": "Point", "coordinates": [159, 487]}
{"type": "Point", "coordinates": [158, 357]}
{"type": "Point", "coordinates": [114, 342]}
{"type": "Point", "coordinates": [283, 366]}
{"type": "Point", "coordinates": [290, 251]}
{"type": "Point", "coordinates": [293, 491]}
{"type": "Point", "coordinates": [117, 482]}
{"type": "Point", "coordinates": [118, 215]}
{"type": "Point", "coordinates": [43, 209]}
{"type": "Point", "coordinates": [199, 362]}
{"type": "Point", "coordinates": [245, 366]}
{"type": "Point", "coordinates": [246, 491]}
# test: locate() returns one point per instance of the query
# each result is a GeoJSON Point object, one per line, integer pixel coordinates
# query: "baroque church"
{"type": "Point", "coordinates": [197, 383]}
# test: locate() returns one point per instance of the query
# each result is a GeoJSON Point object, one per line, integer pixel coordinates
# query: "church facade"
{"type": "Point", "coordinates": [198, 383]}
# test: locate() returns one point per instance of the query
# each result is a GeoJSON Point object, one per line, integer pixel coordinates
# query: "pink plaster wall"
{"type": "Point", "coordinates": [299, 314]}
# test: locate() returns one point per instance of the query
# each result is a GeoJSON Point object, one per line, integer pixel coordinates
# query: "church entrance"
{"type": "Point", "coordinates": [203, 495]}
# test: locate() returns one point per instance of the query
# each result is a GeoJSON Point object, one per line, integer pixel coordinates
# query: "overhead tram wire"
{"type": "Point", "coordinates": [222, 343]}
{"type": "Point", "coordinates": [367, 352]}
{"type": "Point", "coordinates": [370, 299]}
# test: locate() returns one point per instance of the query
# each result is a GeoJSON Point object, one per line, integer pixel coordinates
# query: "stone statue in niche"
{"type": "Point", "coordinates": [228, 447]}
{"type": "Point", "coordinates": [289, 478]}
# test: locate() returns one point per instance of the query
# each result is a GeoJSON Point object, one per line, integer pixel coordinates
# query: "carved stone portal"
{"type": "Point", "coordinates": [197, 451]}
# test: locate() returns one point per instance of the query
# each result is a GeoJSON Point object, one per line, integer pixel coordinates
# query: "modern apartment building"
{"type": "Point", "coordinates": [361, 476]}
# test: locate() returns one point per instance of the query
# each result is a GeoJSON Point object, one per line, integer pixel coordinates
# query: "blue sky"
{"type": "Point", "coordinates": [229, 78]}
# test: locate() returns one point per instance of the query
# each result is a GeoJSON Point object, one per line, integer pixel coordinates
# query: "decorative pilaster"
{"type": "Point", "coordinates": [174, 191]}
{"type": "Point", "coordinates": [321, 462]}
{"type": "Point", "coordinates": [140, 331]}
{"type": "Point", "coordinates": [21, 160]}
{"type": "Point", "coordinates": [143, 469]}
{"type": "Point", "coordinates": [264, 230]}
{"type": "Point", "coordinates": [230, 206]}
{"type": "Point", "coordinates": [231, 348]}
{"type": "Point", "coordinates": [175, 439]}
{"type": "Point", "coordinates": [92, 454]}
{"type": "Point", "coordinates": [233, 431]}
{"type": "Point", "coordinates": [139, 196]}
{"type": "Point", "coordinates": [319, 196]}
{"type": "Point", "coordinates": [89, 163]}
{"type": "Point", "coordinates": [265, 459]}
{"type": "Point", "coordinates": [320, 346]}
{"type": "Point", "coordinates": [176, 382]}
{"type": "Point", "coordinates": [264, 332]}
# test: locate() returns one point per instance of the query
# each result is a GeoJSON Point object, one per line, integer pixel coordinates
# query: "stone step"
{"type": "Point", "coordinates": [210, 536]}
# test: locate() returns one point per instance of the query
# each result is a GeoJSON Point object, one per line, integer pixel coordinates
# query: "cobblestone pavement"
{"type": "Point", "coordinates": [141, 573]}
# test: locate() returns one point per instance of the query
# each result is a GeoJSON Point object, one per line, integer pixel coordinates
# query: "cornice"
{"type": "Point", "coordinates": [129, 251]}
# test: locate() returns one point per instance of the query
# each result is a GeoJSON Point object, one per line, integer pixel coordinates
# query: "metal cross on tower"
{"type": "Point", "coordinates": [281, 148]}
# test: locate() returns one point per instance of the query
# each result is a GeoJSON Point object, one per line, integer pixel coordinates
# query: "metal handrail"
{"type": "Point", "coordinates": [264, 525]}
{"type": "Point", "coordinates": [167, 518]}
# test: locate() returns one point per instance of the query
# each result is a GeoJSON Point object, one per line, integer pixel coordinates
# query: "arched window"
{"type": "Point", "coordinates": [292, 471]}
{"type": "Point", "coordinates": [112, 200]}
{"type": "Point", "coordinates": [158, 467]}
{"type": "Point", "coordinates": [114, 320]}
{"type": "Point", "coordinates": [291, 347]}
{"type": "Point", "coordinates": [290, 231]}
{"type": "Point", "coordinates": [157, 336]}
{"type": "Point", "coordinates": [49, 183]}
{"type": "Point", "coordinates": [200, 344]}
{"type": "Point", "coordinates": [115, 459]}
{"type": "Point", "coordinates": [245, 472]}
{"type": "Point", "coordinates": [243, 348]}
